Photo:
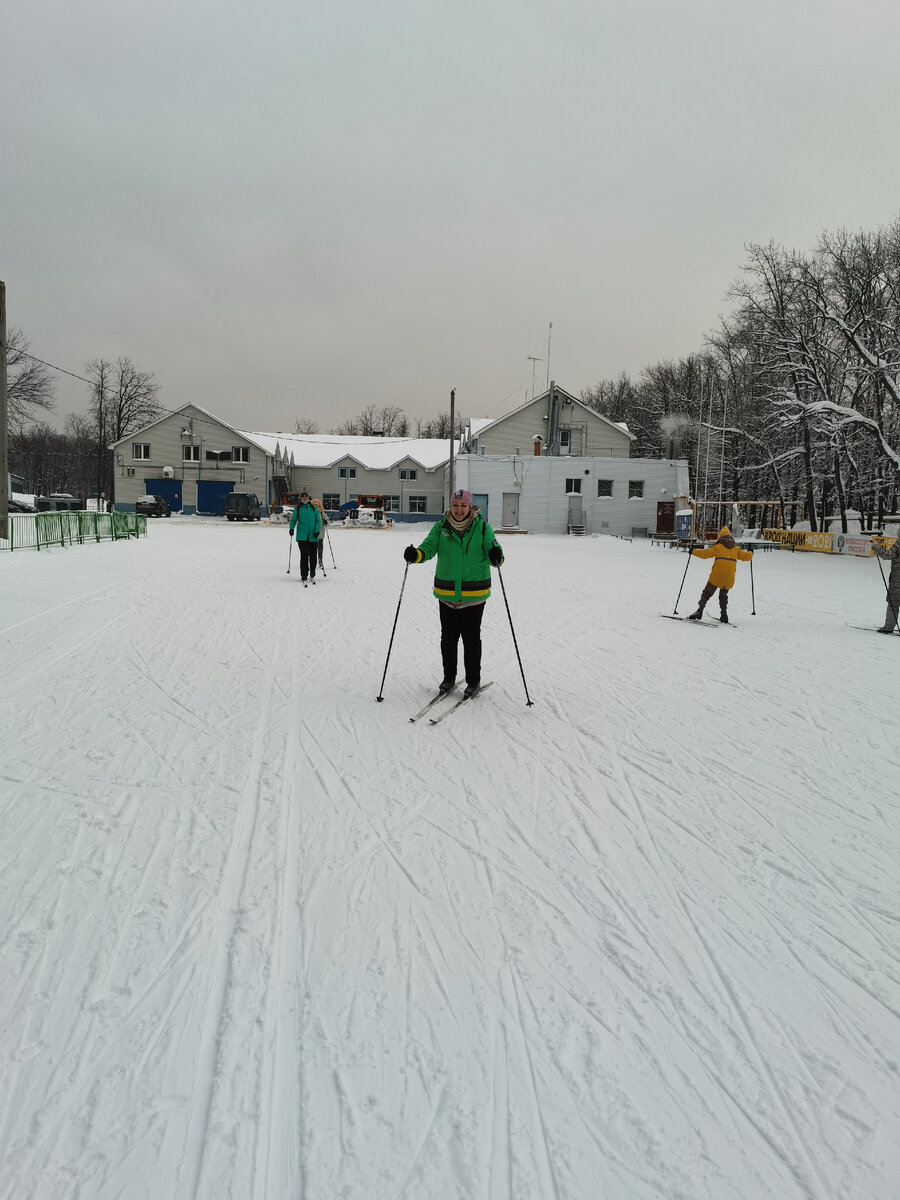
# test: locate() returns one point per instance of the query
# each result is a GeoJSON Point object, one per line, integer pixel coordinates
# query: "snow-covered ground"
{"type": "Point", "coordinates": [261, 937]}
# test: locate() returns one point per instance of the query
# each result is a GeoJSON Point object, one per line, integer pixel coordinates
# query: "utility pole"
{"type": "Point", "coordinates": [533, 361]}
{"type": "Point", "coordinates": [4, 415]}
{"type": "Point", "coordinates": [452, 423]}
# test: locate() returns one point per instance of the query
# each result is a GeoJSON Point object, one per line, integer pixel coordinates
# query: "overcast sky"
{"type": "Point", "coordinates": [287, 209]}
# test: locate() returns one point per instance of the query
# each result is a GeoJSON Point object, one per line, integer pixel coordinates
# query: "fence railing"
{"type": "Point", "coordinates": [38, 531]}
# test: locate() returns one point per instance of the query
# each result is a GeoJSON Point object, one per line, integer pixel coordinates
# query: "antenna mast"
{"type": "Point", "coordinates": [549, 332]}
{"type": "Point", "coordinates": [533, 361]}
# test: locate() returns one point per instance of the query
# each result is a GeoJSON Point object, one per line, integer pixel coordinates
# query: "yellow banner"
{"type": "Point", "coordinates": [801, 539]}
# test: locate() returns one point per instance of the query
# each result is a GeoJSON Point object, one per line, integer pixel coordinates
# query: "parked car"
{"type": "Point", "coordinates": [153, 506]}
{"type": "Point", "coordinates": [242, 506]}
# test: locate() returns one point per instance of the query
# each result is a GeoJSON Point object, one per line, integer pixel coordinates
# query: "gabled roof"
{"type": "Point", "coordinates": [618, 425]}
{"type": "Point", "coordinates": [176, 412]}
{"type": "Point", "coordinates": [372, 453]}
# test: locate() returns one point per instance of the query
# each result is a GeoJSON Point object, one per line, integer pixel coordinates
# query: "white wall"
{"type": "Point", "coordinates": [543, 502]}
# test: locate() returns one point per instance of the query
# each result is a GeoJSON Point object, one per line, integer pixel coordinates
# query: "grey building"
{"type": "Point", "coordinates": [553, 465]}
{"type": "Point", "coordinates": [557, 423]}
{"type": "Point", "coordinates": [193, 459]}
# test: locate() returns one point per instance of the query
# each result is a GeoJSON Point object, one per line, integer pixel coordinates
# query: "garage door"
{"type": "Point", "coordinates": [169, 489]}
{"type": "Point", "coordinates": [211, 495]}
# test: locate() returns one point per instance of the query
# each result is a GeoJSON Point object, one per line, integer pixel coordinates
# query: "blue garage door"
{"type": "Point", "coordinates": [211, 495]}
{"type": "Point", "coordinates": [169, 489]}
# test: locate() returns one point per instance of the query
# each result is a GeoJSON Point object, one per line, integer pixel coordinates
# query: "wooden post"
{"type": "Point", "coordinates": [4, 414]}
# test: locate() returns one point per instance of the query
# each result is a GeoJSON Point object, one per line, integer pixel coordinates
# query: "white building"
{"type": "Point", "coordinates": [630, 497]}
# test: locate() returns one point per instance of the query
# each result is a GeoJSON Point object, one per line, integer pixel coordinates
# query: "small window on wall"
{"type": "Point", "coordinates": [190, 453]}
{"type": "Point", "coordinates": [140, 449]}
{"type": "Point", "coordinates": [417, 504]}
{"type": "Point", "coordinates": [240, 454]}
{"type": "Point", "coordinates": [392, 504]}
{"type": "Point", "coordinates": [604, 487]}
{"type": "Point", "coordinates": [410, 473]}
{"type": "Point", "coordinates": [635, 489]}
{"type": "Point", "coordinates": [346, 472]}
{"type": "Point", "coordinates": [331, 500]}
{"type": "Point", "coordinates": [573, 485]}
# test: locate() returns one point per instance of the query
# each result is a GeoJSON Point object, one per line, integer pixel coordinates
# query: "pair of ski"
{"type": "Point", "coordinates": [447, 711]}
{"type": "Point", "coordinates": [707, 622]}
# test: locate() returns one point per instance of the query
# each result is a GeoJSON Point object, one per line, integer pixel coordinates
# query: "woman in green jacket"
{"type": "Point", "coordinates": [466, 550]}
{"type": "Point", "coordinates": [306, 520]}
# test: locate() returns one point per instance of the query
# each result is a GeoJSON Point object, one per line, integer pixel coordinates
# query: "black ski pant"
{"type": "Point", "coordinates": [307, 559]}
{"type": "Point", "coordinates": [465, 623]}
{"type": "Point", "coordinates": [707, 594]}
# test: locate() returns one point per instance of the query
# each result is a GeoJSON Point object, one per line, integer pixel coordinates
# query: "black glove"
{"type": "Point", "coordinates": [411, 554]}
{"type": "Point", "coordinates": [495, 556]}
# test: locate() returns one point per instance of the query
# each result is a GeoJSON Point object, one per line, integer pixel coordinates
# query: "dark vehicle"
{"type": "Point", "coordinates": [242, 506]}
{"type": "Point", "coordinates": [153, 506]}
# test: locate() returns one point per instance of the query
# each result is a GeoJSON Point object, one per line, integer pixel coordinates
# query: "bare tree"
{"type": "Point", "coordinates": [123, 400]}
{"type": "Point", "coordinates": [438, 426]}
{"type": "Point", "coordinates": [29, 385]}
{"type": "Point", "coordinates": [305, 425]}
{"type": "Point", "coordinates": [388, 421]}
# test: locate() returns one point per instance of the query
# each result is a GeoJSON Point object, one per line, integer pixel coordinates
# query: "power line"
{"type": "Point", "coordinates": [53, 366]}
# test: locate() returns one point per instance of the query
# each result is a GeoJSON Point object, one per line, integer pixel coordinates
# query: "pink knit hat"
{"type": "Point", "coordinates": [463, 495]}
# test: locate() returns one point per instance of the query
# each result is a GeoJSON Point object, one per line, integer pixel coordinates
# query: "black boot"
{"type": "Point", "coordinates": [471, 689]}
{"type": "Point", "coordinates": [446, 685]}
{"type": "Point", "coordinates": [723, 617]}
{"type": "Point", "coordinates": [695, 616]}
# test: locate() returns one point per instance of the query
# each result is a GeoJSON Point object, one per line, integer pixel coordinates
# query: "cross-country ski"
{"type": "Point", "coordinates": [436, 699]}
{"type": "Point", "coordinates": [459, 703]}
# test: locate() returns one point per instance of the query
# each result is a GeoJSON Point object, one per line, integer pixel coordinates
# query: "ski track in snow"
{"type": "Point", "coordinates": [262, 937]}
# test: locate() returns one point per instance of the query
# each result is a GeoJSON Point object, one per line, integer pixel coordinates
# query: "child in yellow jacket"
{"type": "Point", "coordinates": [726, 554]}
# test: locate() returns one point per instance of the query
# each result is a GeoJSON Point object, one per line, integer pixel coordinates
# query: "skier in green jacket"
{"type": "Point", "coordinates": [466, 550]}
{"type": "Point", "coordinates": [305, 518]}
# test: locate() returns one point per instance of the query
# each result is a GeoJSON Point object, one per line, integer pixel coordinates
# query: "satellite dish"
{"type": "Point", "coordinates": [168, 472]}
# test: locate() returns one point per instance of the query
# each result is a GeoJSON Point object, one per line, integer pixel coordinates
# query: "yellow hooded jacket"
{"type": "Point", "coordinates": [727, 555]}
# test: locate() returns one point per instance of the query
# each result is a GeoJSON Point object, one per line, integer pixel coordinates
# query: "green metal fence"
{"type": "Point", "coordinates": [37, 531]}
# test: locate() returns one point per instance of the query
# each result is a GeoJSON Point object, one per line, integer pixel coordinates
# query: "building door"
{"type": "Point", "coordinates": [665, 517]}
{"type": "Point", "coordinates": [510, 510]}
{"type": "Point", "coordinates": [480, 500]}
{"type": "Point", "coordinates": [576, 512]}
{"type": "Point", "coordinates": [169, 489]}
{"type": "Point", "coordinates": [211, 495]}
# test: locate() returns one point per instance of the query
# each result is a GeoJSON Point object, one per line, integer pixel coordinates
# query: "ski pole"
{"type": "Point", "coordinates": [515, 643]}
{"type": "Point", "coordinates": [887, 592]}
{"type": "Point", "coordinates": [683, 578]}
{"type": "Point", "coordinates": [380, 695]}
{"type": "Point", "coordinates": [290, 548]}
{"type": "Point", "coordinates": [752, 591]}
{"type": "Point", "coordinates": [331, 548]}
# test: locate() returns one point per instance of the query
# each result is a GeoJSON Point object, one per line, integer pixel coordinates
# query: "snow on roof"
{"type": "Point", "coordinates": [373, 453]}
{"type": "Point", "coordinates": [476, 424]}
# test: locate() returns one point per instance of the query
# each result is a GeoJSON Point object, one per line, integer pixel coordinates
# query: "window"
{"type": "Point", "coordinates": [190, 453]}
{"type": "Point", "coordinates": [604, 487]}
{"type": "Point", "coordinates": [392, 504]}
{"type": "Point", "coordinates": [635, 489]}
{"type": "Point", "coordinates": [409, 473]}
{"type": "Point", "coordinates": [417, 504]}
{"type": "Point", "coordinates": [140, 449]}
{"type": "Point", "coordinates": [331, 500]}
{"type": "Point", "coordinates": [346, 472]}
{"type": "Point", "coordinates": [573, 485]}
{"type": "Point", "coordinates": [240, 454]}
